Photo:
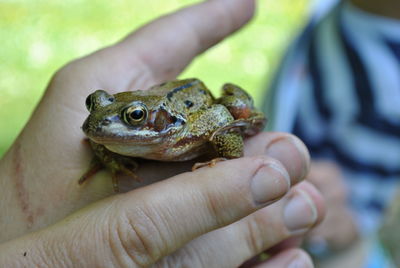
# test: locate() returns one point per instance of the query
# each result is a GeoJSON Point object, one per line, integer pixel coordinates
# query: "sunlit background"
{"type": "Point", "coordinates": [38, 37]}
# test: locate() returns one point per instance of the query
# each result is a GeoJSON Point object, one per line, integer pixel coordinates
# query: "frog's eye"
{"type": "Point", "coordinates": [89, 103]}
{"type": "Point", "coordinates": [135, 114]}
{"type": "Point", "coordinates": [99, 98]}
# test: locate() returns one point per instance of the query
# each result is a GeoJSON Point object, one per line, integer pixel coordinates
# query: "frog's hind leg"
{"type": "Point", "coordinates": [237, 101]}
{"type": "Point", "coordinates": [95, 166]}
{"type": "Point", "coordinates": [241, 106]}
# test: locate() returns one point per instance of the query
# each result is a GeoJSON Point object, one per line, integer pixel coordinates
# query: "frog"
{"type": "Point", "coordinates": [177, 120]}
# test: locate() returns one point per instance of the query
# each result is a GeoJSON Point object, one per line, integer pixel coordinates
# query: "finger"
{"type": "Point", "coordinates": [283, 147]}
{"type": "Point", "coordinates": [290, 258]}
{"type": "Point", "coordinates": [160, 50]}
{"type": "Point", "coordinates": [138, 228]}
{"type": "Point", "coordinates": [291, 242]}
{"type": "Point", "coordinates": [230, 246]}
{"type": "Point", "coordinates": [219, 196]}
{"type": "Point", "coordinates": [327, 177]}
{"type": "Point", "coordinates": [337, 231]}
{"type": "Point", "coordinates": [187, 33]}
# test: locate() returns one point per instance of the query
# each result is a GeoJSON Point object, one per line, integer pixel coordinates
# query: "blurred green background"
{"type": "Point", "coordinates": [38, 37]}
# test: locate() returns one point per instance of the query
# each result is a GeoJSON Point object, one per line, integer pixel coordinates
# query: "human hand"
{"type": "Point", "coordinates": [338, 229]}
{"type": "Point", "coordinates": [156, 225]}
{"type": "Point", "coordinates": [40, 172]}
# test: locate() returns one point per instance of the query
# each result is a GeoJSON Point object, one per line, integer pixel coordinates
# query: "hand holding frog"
{"type": "Point", "coordinates": [171, 222]}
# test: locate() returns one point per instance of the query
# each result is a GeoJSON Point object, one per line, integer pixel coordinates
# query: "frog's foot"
{"type": "Point", "coordinates": [210, 163]}
{"type": "Point", "coordinates": [129, 166]}
{"type": "Point", "coordinates": [131, 174]}
{"type": "Point", "coordinates": [95, 166]}
{"type": "Point", "coordinates": [123, 165]}
{"type": "Point", "coordinates": [124, 170]}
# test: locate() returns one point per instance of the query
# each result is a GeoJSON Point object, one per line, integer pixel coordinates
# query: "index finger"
{"type": "Point", "coordinates": [160, 50]}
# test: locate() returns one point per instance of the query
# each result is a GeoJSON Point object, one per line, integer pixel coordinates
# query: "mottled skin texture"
{"type": "Point", "coordinates": [174, 121]}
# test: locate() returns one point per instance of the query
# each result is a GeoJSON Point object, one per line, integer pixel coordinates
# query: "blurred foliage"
{"type": "Point", "coordinates": [38, 37]}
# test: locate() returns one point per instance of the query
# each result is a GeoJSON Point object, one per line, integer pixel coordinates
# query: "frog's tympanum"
{"type": "Point", "coordinates": [174, 121]}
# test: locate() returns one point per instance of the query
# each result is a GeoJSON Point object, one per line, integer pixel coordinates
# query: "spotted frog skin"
{"type": "Point", "coordinates": [174, 121]}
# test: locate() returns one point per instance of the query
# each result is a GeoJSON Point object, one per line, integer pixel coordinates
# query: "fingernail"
{"type": "Point", "coordinates": [269, 183]}
{"type": "Point", "coordinates": [299, 213]}
{"type": "Point", "coordinates": [301, 261]}
{"type": "Point", "coordinates": [293, 154]}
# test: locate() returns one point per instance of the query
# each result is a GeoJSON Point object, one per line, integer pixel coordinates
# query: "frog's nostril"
{"type": "Point", "coordinates": [106, 122]}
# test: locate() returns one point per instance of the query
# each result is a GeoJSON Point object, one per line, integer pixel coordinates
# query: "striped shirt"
{"type": "Point", "coordinates": [338, 89]}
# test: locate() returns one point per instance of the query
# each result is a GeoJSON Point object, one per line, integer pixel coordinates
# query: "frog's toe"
{"type": "Point", "coordinates": [131, 173]}
{"type": "Point", "coordinates": [94, 168]}
{"type": "Point", "coordinates": [210, 163]}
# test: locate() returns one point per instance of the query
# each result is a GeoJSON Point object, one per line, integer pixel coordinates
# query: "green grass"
{"type": "Point", "coordinates": [38, 37]}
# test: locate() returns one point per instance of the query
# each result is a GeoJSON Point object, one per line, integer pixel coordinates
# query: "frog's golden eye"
{"type": "Point", "coordinates": [89, 103]}
{"type": "Point", "coordinates": [135, 114]}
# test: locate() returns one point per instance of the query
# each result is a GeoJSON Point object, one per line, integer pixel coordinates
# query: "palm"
{"type": "Point", "coordinates": [52, 142]}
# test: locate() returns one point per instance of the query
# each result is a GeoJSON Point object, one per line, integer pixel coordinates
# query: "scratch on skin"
{"type": "Point", "coordinates": [22, 193]}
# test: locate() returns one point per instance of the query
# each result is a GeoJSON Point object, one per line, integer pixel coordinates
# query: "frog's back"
{"type": "Point", "coordinates": [186, 96]}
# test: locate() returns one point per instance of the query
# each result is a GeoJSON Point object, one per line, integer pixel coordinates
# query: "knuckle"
{"type": "Point", "coordinates": [138, 239]}
{"type": "Point", "coordinates": [253, 236]}
{"type": "Point", "coordinates": [213, 203]}
{"type": "Point", "coordinates": [262, 233]}
{"type": "Point", "coordinates": [223, 207]}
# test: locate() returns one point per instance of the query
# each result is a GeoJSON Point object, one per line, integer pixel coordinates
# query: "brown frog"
{"type": "Point", "coordinates": [174, 121]}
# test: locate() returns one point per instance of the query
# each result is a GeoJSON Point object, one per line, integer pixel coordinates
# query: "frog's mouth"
{"type": "Point", "coordinates": [141, 137]}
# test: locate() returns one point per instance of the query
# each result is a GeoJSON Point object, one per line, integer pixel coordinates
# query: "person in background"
{"type": "Point", "coordinates": [338, 89]}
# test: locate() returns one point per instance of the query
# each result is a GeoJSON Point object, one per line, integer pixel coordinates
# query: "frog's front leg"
{"type": "Point", "coordinates": [115, 163]}
{"type": "Point", "coordinates": [95, 166]}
